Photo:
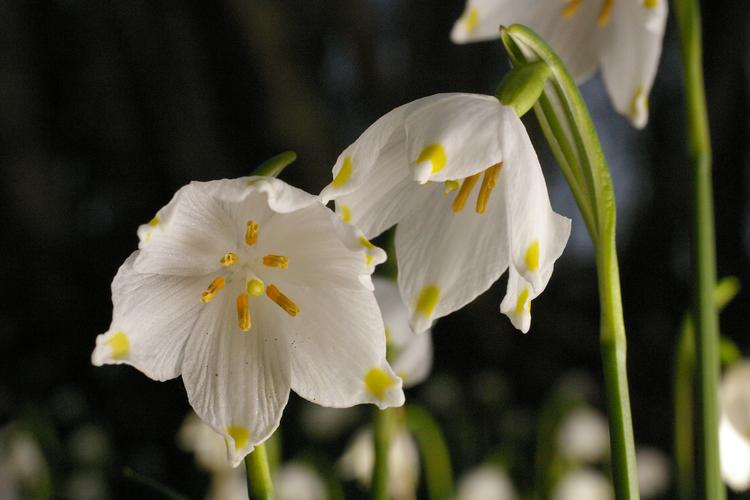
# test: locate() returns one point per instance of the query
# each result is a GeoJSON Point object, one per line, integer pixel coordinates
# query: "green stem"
{"type": "Point", "coordinates": [434, 452]}
{"type": "Point", "coordinates": [152, 484]}
{"type": "Point", "coordinates": [708, 471]}
{"type": "Point", "coordinates": [382, 435]}
{"type": "Point", "coordinates": [259, 484]}
{"type": "Point", "coordinates": [683, 412]}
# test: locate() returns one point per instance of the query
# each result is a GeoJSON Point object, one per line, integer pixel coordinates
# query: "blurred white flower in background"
{"type": "Point", "coordinates": [23, 468]}
{"type": "Point", "coordinates": [403, 462]}
{"type": "Point", "coordinates": [583, 484]}
{"type": "Point", "coordinates": [734, 426]}
{"type": "Point", "coordinates": [486, 482]}
{"type": "Point", "coordinates": [623, 38]}
{"type": "Point", "coordinates": [653, 472]}
{"type": "Point", "coordinates": [583, 436]}
{"type": "Point", "coordinates": [297, 481]}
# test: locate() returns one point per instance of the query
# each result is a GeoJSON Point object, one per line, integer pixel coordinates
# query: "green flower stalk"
{"type": "Point", "coordinates": [573, 140]}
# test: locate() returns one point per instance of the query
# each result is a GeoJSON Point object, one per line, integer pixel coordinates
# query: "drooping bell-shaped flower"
{"type": "Point", "coordinates": [734, 426]}
{"type": "Point", "coordinates": [410, 354]}
{"type": "Point", "coordinates": [622, 37]}
{"type": "Point", "coordinates": [247, 288]}
{"type": "Point", "coordinates": [458, 174]}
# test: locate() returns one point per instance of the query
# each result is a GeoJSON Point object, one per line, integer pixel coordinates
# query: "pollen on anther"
{"type": "Point", "coordinates": [571, 7]}
{"type": "Point", "coordinates": [489, 181]}
{"type": "Point", "coordinates": [255, 287]}
{"type": "Point", "coordinates": [276, 261]}
{"type": "Point", "coordinates": [251, 233]}
{"type": "Point", "coordinates": [229, 258]}
{"type": "Point", "coordinates": [464, 192]}
{"type": "Point", "coordinates": [208, 294]}
{"type": "Point", "coordinates": [243, 312]}
{"type": "Point", "coordinates": [282, 300]}
{"type": "Point", "coordinates": [605, 12]}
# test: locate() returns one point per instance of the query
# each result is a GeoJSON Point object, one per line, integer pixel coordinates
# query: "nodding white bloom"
{"type": "Point", "coordinates": [403, 462]}
{"type": "Point", "coordinates": [583, 484]}
{"type": "Point", "coordinates": [298, 481]}
{"type": "Point", "coordinates": [410, 355]}
{"type": "Point", "coordinates": [622, 37]}
{"type": "Point", "coordinates": [734, 426]}
{"type": "Point", "coordinates": [486, 482]}
{"type": "Point", "coordinates": [247, 288]}
{"type": "Point", "coordinates": [459, 175]}
{"type": "Point", "coordinates": [583, 436]}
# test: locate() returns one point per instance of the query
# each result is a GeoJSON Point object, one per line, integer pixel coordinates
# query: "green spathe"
{"type": "Point", "coordinates": [523, 85]}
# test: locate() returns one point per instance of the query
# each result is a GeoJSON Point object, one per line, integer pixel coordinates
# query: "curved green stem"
{"type": "Point", "coordinates": [710, 485]}
{"type": "Point", "coordinates": [434, 452]}
{"type": "Point", "coordinates": [570, 132]}
{"type": "Point", "coordinates": [383, 435]}
{"type": "Point", "coordinates": [259, 484]}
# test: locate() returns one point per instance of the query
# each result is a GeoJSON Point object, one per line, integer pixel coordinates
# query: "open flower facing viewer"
{"type": "Point", "coordinates": [623, 38]}
{"type": "Point", "coordinates": [247, 288]}
{"type": "Point", "coordinates": [458, 174]}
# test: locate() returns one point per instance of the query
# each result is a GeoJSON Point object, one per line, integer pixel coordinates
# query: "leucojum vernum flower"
{"type": "Point", "coordinates": [460, 177]}
{"type": "Point", "coordinates": [623, 38]}
{"type": "Point", "coordinates": [247, 288]}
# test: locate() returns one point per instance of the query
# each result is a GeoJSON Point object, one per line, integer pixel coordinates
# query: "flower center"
{"type": "Point", "coordinates": [489, 182]}
{"type": "Point", "coordinates": [242, 265]}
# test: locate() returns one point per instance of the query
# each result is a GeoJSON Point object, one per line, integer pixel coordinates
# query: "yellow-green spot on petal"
{"type": "Point", "coordinates": [428, 300]}
{"type": "Point", "coordinates": [119, 344]}
{"type": "Point", "coordinates": [435, 153]}
{"type": "Point", "coordinates": [650, 4]}
{"type": "Point", "coordinates": [346, 213]}
{"type": "Point", "coordinates": [450, 186]}
{"type": "Point", "coordinates": [377, 382]}
{"type": "Point", "coordinates": [256, 287]}
{"type": "Point", "coordinates": [368, 260]}
{"type": "Point", "coordinates": [638, 102]}
{"type": "Point", "coordinates": [345, 173]}
{"type": "Point", "coordinates": [471, 19]}
{"type": "Point", "coordinates": [523, 304]}
{"type": "Point", "coordinates": [240, 435]}
{"type": "Point", "coordinates": [532, 256]}
{"type": "Point", "coordinates": [154, 222]}
{"type": "Point", "coordinates": [366, 243]}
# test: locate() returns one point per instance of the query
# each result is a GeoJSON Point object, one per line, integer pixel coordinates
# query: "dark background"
{"type": "Point", "coordinates": [107, 107]}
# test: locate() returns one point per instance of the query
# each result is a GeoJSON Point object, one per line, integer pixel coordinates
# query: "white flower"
{"type": "Point", "coordinates": [410, 354]}
{"type": "Point", "coordinates": [734, 426]}
{"type": "Point", "coordinates": [297, 481]}
{"type": "Point", "coordinates": [583, 484]}
{"type": "Point", "coordinates": [653, 472]}
{"type": "Point", "coordinates": [403, 462]}
{"type": "Point", "coordinates": [486, 482]}
{"type": "Point", "coordinates": [420, 166]}
{"type": "Point", "coordinates": [247, 288]}
{"type": "Point", "coordinates": [623, 37]}
{"type": "Point", "coordinates": [583, 436]}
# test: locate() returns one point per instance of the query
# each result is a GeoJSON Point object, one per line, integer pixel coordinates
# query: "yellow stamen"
{"type": "Point", "coordinates": [251, 233]}
{"type": "Point", "coordinates": [489, 181]}
{"type": "Point", "coordinates": [216, 285]}
{"type": "Point", "coordinates": [464, 192]}
{"type": "Point", "coordinates": [243, 312]}
{"type": "Point", "coordinates": [604, 13]}
{"type": "Point", "coordinates": [571, 7]}
{"type": "Point", "coordinates": [229, 258]}
{"type": "Point", "coordinates": [344, 174]}
{"type": "Point", "coordinates": [282, 300]}
{"type": "Point", "coordinates": [532, 256]}
{"type": "Point", "coordinates": [255, 287]}
{"type": "Point", "coordinates": [276, 261]}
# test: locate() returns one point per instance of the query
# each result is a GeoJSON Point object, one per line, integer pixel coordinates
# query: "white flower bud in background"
{"type": "Point", "coordinates": [486, 482]}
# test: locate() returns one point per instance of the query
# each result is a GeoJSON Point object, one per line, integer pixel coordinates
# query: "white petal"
{"type": "Point", "coordinates": [734, 452]}
{"type": "Point", "coordinates": [537, 234]}
{"type": "Point", "coordinates": [191, 240]}
{"type": "Point", "coordinates": [411, 353]}
{"type": "Point", "coordinates": [517, 301]}
{"type": "Point", "coordinates": [152, 319]}
{"type": "Point", "coordinates": [583, 484]}
{"type": "Point", "coordinates": [734, 396]}
{"type": "Point", "coordinates": [322, 250]}
{"type": "Point", "coordinates": [386, 197]}
{"type": "Point", "coordinates": [630, 55]}
{"type": "Point", "coordinates": [337, 348]}
{"type": "Point", "coordinates": [372, 152]}
{"type": "Point", "coordinates": [455, 136]}
{"type": "Point", "coordinates": [446, 258]}
{"type": "Point", "coordinates": [486, 482]}
{"type": "Point", "coordinates": [238, 382]}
